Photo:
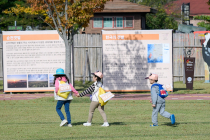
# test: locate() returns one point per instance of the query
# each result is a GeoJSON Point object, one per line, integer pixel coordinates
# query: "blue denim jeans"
{"type": "Point", "coordinates": [66, 104]}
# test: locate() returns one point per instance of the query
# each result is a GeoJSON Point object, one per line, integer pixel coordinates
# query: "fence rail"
{"type": "Point", "coordinates": [93, 45]}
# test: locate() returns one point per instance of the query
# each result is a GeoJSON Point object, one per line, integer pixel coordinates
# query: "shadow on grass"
{"type": "Point", "coordinates": [78, 123]}
{"type": "Point", "coordinates": [112, 123]}
{"type": "Point", "coordinates": [117, 123]}
{"type": "Point", "coordinates": [139, 92]}
{"type": "Point", "coordinates": [133, 96]}
{"type": "Point", "coordinates": [180, 123]}
{"type": "Point", "coordinates": [178, 89]}
{"type": "Point", "coordinates": [173, 125]}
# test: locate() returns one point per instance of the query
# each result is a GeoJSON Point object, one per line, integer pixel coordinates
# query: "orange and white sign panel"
{"type": "Point", "coordinates": [30, 59]}
{"type": "Point", "coordinates": [131, 55]}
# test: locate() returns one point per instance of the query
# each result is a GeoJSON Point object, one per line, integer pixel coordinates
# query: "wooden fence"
{"type": "Point", "coordinates": [187, 40]}
{"type": "Point", "coordinates": [92, 45]}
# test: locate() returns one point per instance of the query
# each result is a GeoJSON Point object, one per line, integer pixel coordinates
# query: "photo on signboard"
{"type": "Point", "coordinates": [51, 80]}
{"type": "Point", "coordinates": [155, 53]}
{"type": "Point", "coordinates": [17, 81]}
{"type": "Point", "coordinates": [37, 80]}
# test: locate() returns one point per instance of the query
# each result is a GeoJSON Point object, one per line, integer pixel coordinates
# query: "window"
{"type": "Point", "coordinates": [119, 22]}
{"type": "Point", "coordinates": [143, 23]}
{"type": "Point", "coordinates": [128, 22]}
{"type": "Point", "coordinates": [113, 22]}
{"type": "Point", "coordinates": [108, 22]}
{"type": "Point", "coordinates": [97, 23]}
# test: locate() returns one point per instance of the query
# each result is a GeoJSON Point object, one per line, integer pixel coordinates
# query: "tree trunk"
{"type": "Point", "coordinates": [67, 59]}
{"type": "Point", "coordinates": [71, 44]}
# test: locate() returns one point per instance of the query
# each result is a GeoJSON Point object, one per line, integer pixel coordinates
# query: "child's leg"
{"type": "Point", "coordinates": [58, 109]}
{"type": "Point", "coordinates": [103, 114]}
{"type": "Point", "coordinates": [93, 106]}
{"type": "Point", "coordinates": [155, 114]}
{"type": "Point", "coordinates": [163, 112]}
{"type": "Point", "coordinates": [68, 115]}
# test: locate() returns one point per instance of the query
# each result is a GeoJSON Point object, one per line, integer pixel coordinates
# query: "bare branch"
{"type": "Point", "coordinates": [66, 8]}
{"type": "Point", "coordinates": [47, 23]}
{"type": "Point", "coordinates": [58, 18]}
{"type": "Point", "coordinates": [55, 23]}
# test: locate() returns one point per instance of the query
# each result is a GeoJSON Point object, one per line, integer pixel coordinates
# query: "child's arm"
{"type": "Point", "coordinates": [88, 91]}
{"type": "Point", "coordinates": [154, 95]}
{"type": "Point", "coordinates": [56, 86]}
{"type": "Point", "coordinates": [73, 89]}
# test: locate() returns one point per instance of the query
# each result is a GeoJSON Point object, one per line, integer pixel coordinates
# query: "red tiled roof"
{"type": "Point", "coordinates": [197, 7]}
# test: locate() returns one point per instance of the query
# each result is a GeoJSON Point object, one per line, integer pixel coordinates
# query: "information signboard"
{"type": "Point", "coordinates": [30, 58]}
{"type": "Point", "coordinates": [131, 55]}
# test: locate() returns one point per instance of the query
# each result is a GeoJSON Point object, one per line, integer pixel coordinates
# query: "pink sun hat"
{"type": "Point", "coordinates": [152, 76]}
{"type": "Point", "coordinates": [98, 73]}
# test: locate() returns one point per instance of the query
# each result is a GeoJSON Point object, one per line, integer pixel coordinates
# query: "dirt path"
{"type": "Point", "coordinates": [117, 96]}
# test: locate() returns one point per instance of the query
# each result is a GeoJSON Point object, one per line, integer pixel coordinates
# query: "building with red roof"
{"type": "Point", "coordinates": [197, 7]}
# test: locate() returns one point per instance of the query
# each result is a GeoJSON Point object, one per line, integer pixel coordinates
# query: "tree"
{"type": "Point", "coordinates": [152, 3]}
{"type": "Point", "coordinates": [205, 23]}
{"type": "Point", "coordinates": [206, 20]}
{"type": "Point", "coordinates": [9, 13]}
{"type": "Point", "coordinates": [67, 17]}
{"type": "Point", "coordinates": [159, 20]}
{"type": "Point", "coordinates": [25, 17]}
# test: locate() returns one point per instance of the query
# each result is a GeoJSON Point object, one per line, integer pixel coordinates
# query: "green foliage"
{"type": "Point", "coordinates": [155, 3]}
{"type": "Point", "coordinates": [205, 23]}
{"type": "Point", "coordinates": [5, 4]}
{"type": "Point", "coordinates": [22, 20]}
{"type": "Point", "coordinates": [206, 18]}
{"type": "Point", "coordinates": [151, 3]}
{"type": "Point", "coordinates": [161, 20]}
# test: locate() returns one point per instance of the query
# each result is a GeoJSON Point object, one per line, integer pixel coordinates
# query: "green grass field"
{"type": "Point", "coordinates": [129, 120]}
{"type": "Point", "coordinates": [179, 88]}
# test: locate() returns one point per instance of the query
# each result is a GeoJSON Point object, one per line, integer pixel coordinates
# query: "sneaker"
{"type": "Point", "coordinates": [87, 124]}
{"type": "Point", "coordinates": [153, 125]}
{"type": "Point", "coordinates": [105, 124]}
{"type": "Point", "coordinates": [63, 123]}
{"type": "Point", "coordinates": [172, 119]}
{"type": "Point", "coordinates": [69, 125]}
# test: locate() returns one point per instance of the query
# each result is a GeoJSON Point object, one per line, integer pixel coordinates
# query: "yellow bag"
{"type": "Point", "coordinates": [100, 92]}
{"type": "Point", "coordinates": [62, 88]}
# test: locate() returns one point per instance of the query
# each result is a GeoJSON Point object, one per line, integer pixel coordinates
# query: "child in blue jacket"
{"type": "Point", "coordinates": [158, 103]}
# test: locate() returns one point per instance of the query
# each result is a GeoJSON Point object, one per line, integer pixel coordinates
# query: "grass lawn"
{"type": "Point", "coordinates": [129, 120]}
{"type": "Point", "coordinates": [179, 88]}
{"type": "Point", "coordinates": [199, 87]}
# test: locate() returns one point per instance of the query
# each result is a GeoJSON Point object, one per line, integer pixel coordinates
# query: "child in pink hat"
{"type": "Point", "coordinates": [93, 90]}
{"type": "Point", "coordinates": [158, 103]}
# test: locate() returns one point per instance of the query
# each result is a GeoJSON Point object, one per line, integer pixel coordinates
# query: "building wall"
{"type": "Point", "coordinates": [195, 22]}
{"type": "Point", "coordinates": [136, 25]}
{"type": "Point", "coordinates": [192, 21]}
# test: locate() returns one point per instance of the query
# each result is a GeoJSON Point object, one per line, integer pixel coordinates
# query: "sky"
{"type": "Point", "coordinates": [38, 77]}
{"type": "Point", "coordinates": [16, 77]}
{"type": "Point", "coordinates": [51, 77]}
